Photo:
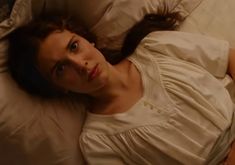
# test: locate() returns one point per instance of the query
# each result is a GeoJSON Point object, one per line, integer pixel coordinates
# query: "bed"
{"type": "Point", "coordinates": [34, 131]}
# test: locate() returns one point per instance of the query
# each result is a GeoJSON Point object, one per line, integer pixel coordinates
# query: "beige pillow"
{"type": "Point", "coordinates": [34, 131]}
{"type": "Point", "coordinates": [20, 13]}
{"type": "Point", "coordinates": [111, 19]}
{"type": "Point", "coordinates": [112, 28]}
{"type": "Point", "coordinates": [121, 16]}
{"type": "Point", "coordinates": [214, 18]}
{"type": "Point", "coordinates": [89, 11]}
{"type": "Point", "coordinates": [37, 132]}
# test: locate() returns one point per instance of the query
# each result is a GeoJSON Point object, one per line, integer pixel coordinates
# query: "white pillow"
{"type": "Point", "coordinates": [20, 13]}
{"type": "Point", "coordinates": [37, 132]}
{"type": "Point", "coordinates": [214, 18]}
{"type": "Point", "coordinates": [121, 16]}
{"type": "Point", "coordinates": [112, 28]}
{"type": "Point", "coordinates": [89, 11]}
{"type": "Point", "coordinates": [111, 19]}
{"type": "Point", "coordinates": [34, 131]}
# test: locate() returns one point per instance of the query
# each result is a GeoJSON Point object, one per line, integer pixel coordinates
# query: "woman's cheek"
{"type": "Point", "coordinates": [73, 79]}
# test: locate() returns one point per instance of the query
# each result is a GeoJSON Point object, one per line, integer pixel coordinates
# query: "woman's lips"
{"type": "Point", "coordinates": [94, 73]}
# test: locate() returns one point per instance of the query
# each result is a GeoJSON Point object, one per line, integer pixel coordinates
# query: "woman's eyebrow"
{"type": "Point", "coordinates": [67, 48]}
{"type": "Point", "coordinates": [70, 42]}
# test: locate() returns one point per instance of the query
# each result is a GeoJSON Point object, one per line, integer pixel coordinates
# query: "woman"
{"type": "Point", "coordinates": [161, 105]}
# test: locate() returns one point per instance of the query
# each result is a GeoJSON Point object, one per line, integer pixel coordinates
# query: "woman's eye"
{"type": "Point", "coordinates": [60, 70]}
{"type": "Point", "coordinates": [74, 46]}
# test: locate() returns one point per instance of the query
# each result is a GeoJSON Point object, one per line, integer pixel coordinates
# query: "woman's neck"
{"type": "Point", "coordinates": [121, 89]}
{"type": "Point", "coordinates": [119, 81]}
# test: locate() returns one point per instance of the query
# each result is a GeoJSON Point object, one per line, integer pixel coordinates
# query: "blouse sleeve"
{"type": "Point", "coordinates": [96, 151]}
{"type": "Point", "coordinates": [207, 52]}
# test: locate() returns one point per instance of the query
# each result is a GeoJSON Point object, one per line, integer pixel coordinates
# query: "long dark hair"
{"type": "Point", "coordinates": [24, 45]}
{"type": "Point", "coordinates": [163, 20]}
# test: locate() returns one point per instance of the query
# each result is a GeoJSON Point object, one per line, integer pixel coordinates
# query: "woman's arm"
{"type": "Point", "coordinates": [231, 63]}
{"type": "Point", "coordinates": [230, 160]}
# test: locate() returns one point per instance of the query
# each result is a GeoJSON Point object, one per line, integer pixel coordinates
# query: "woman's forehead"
{"type": "Point", "coordinates": [56, 41]}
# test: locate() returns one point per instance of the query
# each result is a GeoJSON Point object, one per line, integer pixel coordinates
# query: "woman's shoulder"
{"type": "Point", "coordinates": [163, 36]}
{"type": "Point", "coordinates": [160, 39]}
{"type": "Point", "coordinates": [176, 36]}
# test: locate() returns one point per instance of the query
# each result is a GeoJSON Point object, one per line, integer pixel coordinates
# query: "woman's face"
{"type": "Point", "coordinates": [71, 63]}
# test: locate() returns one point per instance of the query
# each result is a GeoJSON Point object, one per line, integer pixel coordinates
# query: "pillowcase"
{"type": "Point", "coordinates": [113, 26]}
{"type": "Point", "coordinates": [21, 13]}
{"type": "Point", "coordinates": [34, 131]}
{"type": "Point", "coordinates": [214, 18]}
{"type": "Point", "coordinates": [4, 10]}
{"type": "Point", "coordinates": [111, 19]}
{"type": "Point", "coordinates": [89, 11]}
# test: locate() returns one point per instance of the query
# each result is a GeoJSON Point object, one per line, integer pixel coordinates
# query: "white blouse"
{"type": "Point", "coordinates": [184, 116]}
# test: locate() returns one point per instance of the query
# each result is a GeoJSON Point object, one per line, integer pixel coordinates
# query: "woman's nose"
{"type": "Point", "coordinates": [79, 64]}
